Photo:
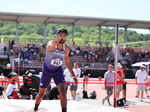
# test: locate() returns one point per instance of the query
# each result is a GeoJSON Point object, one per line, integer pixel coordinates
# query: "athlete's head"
{"type": "Point", "coordinates": [110, 67]}
{"type": "Point", "coordinates": [76, 65]}
{"type": "Point", "coordinates": [142, 68]}
{"type": "Point", "coordinates": [62, 35]}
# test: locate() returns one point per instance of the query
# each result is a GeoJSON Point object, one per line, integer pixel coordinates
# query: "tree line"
{"type": "Point", "coordinates": [83, 34]}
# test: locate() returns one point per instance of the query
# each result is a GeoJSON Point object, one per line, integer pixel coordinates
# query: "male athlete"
{"type": "Point", "coordinates": [56, 54]}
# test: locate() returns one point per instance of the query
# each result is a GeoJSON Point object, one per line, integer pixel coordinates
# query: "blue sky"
{"type": "Point", "coordinates": [121, 9]}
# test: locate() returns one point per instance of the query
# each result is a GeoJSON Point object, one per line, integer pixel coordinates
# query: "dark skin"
{"type": "Point", "coordinates": [61, 86]}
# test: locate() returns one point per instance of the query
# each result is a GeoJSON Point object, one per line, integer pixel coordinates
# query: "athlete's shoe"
{"type": "Point", "coordinates": [34, 111]}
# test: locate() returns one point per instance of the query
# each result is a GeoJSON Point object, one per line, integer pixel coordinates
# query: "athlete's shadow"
{"type": "Point", "coordinates": [131, 102]}
{"type": "Point", "coordinates": [137, 101]}
{"type": "Point", "coordinates": [146, 101]}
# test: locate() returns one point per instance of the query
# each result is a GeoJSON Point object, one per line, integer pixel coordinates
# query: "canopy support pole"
{"type": "Point", "coordinates": [45, 32]}
{"type": "Point", "coordinates": [73, 28]}
{"type": "Point", "coordinates": [100, 30]}
{"type": "Point", "coordinates": [116, 61]}
{"type": "Point", "coordinates": [125, 35]}
{"type": "Point", "coordinates": [17, 30]}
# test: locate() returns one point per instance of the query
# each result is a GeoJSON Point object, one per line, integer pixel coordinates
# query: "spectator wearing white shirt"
{"type": "Point", "coordinates": [108, 83]}
{"type": "Point", "coordinates": [69, 80]}
{"type": "Point", "coordinates": [141, 77]}
{"type": "Point", "coordinates": [74, 86]}
{"type": "Point", "coordinates": [12, 85]}
{"type": "Point", "coordinates": [10, 89]}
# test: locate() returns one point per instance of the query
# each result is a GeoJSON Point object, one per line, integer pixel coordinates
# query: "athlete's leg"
{"type": "Point", "coordinates": [146, 91]}
{"type": "Point", "coordinates": [73, 89]}
{"type": "Point", "coordinates": [73, 94]}
{"type": "Point", "coordinates": [109, 91]}
{"type": "Point", "coordinates": [85, 83]}
{"type": "Point", "coordinates": [39, 98]}
{"type": "Point", "coordinates": [61, 84]}
{"type": "Point", "coordinates": [44, 83]}
{"type": "Point", "coordinates": [87, 79]}
{"type": "Point", "coordinates": [119, 89]}
{"type": "Point", "coordinates": [117, 92]}
{"type": "Point", "coordinates": [137, 92]}
{"type": "Point", "coordinates": [142, 94]}
{"type": "Point", "coordinates": [124, 90]}
{"type": "Point", "coordinates": [63, 97]}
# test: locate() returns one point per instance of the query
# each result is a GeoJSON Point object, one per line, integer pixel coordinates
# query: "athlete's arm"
{"type": "Point", "coordinates": [146, 76]}
{"type": "Point", "coordinates": [52, 44]}
{"type": "Point", "coordinates": [136, 77]}
{"type": "Point", "coordinates": [68, 62]}
{"type": "Point", "coordinates": [136, 80]}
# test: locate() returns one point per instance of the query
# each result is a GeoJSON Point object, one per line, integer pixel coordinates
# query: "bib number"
{"type": "Point", "coordinates": [56, 62]}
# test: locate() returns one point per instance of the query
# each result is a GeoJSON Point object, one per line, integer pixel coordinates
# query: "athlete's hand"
{"type": "Point", "coordinates": [57, 39]}
{"type": "Point", "coordinates": [75, 79]}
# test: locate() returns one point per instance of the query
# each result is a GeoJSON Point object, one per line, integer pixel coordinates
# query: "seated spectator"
{"type": "Point", "coordinates": [109, 59]}
{"type": "Point", "coordinates": [8, 70]}
{"type": "Point", "coordinates": [12, 85]}
{"type": "Point", "coordinates": [127, 48]}
{"type": "Point", "coordinates": [99, 54]}
{"type": "Point", "coordinates": [78, 50]}
{"type": "Point", "coordinates": [72, 53]}
{"type": "Point", "coordinates": [85, 54]}
{"type": "Point", "coordinates": [5, 50]}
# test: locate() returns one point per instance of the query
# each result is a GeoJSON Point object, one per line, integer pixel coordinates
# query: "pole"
{"type": "Point", "coordinates": [100, 29]}
{"type": "Point", "coordinates": [73, 34]}
{"type": "Point", "coordinates": [45, 33]}
{"type": "Point", "coordinates": [13, 65]}
{"type": "Point", "coordinates": [125, 35]}
{"type": "Point", "coordinates": [116, 61]}
{"type": "Point", "coordinates": [17, 29]}
{"type": "Point", "coordinates": [19, 64]}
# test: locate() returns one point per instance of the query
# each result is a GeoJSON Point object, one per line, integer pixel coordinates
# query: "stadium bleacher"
{"type": "Point", "coordinates": [98, 58]}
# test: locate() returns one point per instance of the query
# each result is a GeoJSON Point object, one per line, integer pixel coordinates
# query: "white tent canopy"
{"type": "Point", "coordinates": [139, 64]}
{"type": "Point", "coordinates": [76, 20]}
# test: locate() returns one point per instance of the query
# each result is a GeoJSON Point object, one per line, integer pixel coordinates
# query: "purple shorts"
{"type": "Point", "coordinates": [48, 73]}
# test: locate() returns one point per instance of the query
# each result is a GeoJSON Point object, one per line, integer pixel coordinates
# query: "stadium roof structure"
{"type": "Point", "coordinates": [76, 20]}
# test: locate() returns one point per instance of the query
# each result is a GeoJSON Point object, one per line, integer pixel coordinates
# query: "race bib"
{"type": "Point", "coordinates": [56, 62]}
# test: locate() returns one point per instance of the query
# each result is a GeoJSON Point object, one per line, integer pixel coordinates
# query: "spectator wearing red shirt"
{"type": "Point", "coordinates": [127, 49]}
{"type": "Point", "coordinates": [120, 80]}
